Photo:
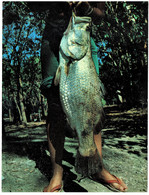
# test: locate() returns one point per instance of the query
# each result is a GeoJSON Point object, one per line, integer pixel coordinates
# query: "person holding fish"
{"type": "Point", "coordinates": [56, 24]}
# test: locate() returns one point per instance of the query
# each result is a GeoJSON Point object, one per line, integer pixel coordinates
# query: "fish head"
{"type": "Point", "coordinates": [76, 41]}
{"type": "Point", "coordinates": [79, 37]}
{"type": "Point", "coordinates": [81, 27]}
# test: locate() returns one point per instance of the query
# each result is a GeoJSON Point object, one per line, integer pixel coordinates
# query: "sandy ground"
{"type": "Point", "coordinates": [26, 162]}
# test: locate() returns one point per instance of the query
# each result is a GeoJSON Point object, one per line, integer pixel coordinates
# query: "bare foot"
{"type": "Point", "coordinates": [104, 176]}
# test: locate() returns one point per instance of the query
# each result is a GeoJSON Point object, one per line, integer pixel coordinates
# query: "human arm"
{"type": "Point", "coordinates": [93, 9]}
{"type": "Point", "coordinates": [99, 10]}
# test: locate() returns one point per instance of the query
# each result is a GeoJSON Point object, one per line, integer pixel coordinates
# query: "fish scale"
{"type": "Point", "coordinates": [77, 89]}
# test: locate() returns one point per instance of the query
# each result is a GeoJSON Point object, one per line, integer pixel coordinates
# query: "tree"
{"type": "Point", "coordinates": [21, 43]}
{"type": "Point", "coordinates": [125, 31]}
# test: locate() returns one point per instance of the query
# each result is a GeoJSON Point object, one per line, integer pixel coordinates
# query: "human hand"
{"type": "Point", "coordinates": [83, 8]}
{"type": "Point", "coordinates": [72, 3]}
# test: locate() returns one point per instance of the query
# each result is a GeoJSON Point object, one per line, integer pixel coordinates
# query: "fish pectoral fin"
{"type": "Point", "coordinates": [57, 76]}
{"type": "Point", "coordinates": [66, 70]}
{"type": "Point", "coordinates": [67, 66]}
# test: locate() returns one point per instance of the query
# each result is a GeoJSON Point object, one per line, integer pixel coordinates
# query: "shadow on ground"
{"type": "Point", "coordinates": [123, 129]}
{"type": "Point", "coordinates": [126, 128]}
{"type": "Point", "coordinates": [37, 153]}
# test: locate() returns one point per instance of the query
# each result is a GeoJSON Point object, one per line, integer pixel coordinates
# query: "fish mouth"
{"type": "Point", "coordinates": [84, 19]}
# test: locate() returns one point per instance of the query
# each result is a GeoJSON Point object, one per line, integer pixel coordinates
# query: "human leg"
{"type": "Point", "coordinates": [56, 137]}
{"type": "Point", "coordinates": [57, 169]}
{"type": "Point", "coordinates": [104, 175]}
{"type": "Point", "coordinates": [55, 119]}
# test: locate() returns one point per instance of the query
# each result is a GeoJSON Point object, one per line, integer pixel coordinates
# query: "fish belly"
{"type": "Point", "coordinates": [81, 96]}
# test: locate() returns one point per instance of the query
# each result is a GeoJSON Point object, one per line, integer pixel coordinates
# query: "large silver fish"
{"type": "Point", "coordinates": [81, 91]}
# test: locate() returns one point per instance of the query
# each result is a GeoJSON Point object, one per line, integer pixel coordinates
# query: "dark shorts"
{"type": "Point", "coordinates": [55, 111]}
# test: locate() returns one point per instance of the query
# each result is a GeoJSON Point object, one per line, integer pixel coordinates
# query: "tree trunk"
{"type": "Point", "coordinates": [22, 108]}
{"type": "Point", "coordinates": [43, 107]}
{"type": "Point", "coordinates": [17, 106]}
{"type": "Point", "coordinates": [10, 115]}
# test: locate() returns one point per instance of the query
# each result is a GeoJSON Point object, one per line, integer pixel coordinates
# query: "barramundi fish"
{"type": "Point", "coordinates": [81, 92]}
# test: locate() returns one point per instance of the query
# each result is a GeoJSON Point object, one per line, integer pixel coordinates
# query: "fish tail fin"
{"type": "Point", "coordinates": [87, 166]}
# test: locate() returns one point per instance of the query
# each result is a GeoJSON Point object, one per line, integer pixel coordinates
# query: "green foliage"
{"type": "Point", "coordinates": [125, 28]}
{"type": "Point", "coordinates": [31, 80]}
{"type": "Point", "coordinates": [21, 53]}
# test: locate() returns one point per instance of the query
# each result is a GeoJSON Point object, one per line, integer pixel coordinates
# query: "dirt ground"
{"type": "Point", "coordinates": [26, 163]}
